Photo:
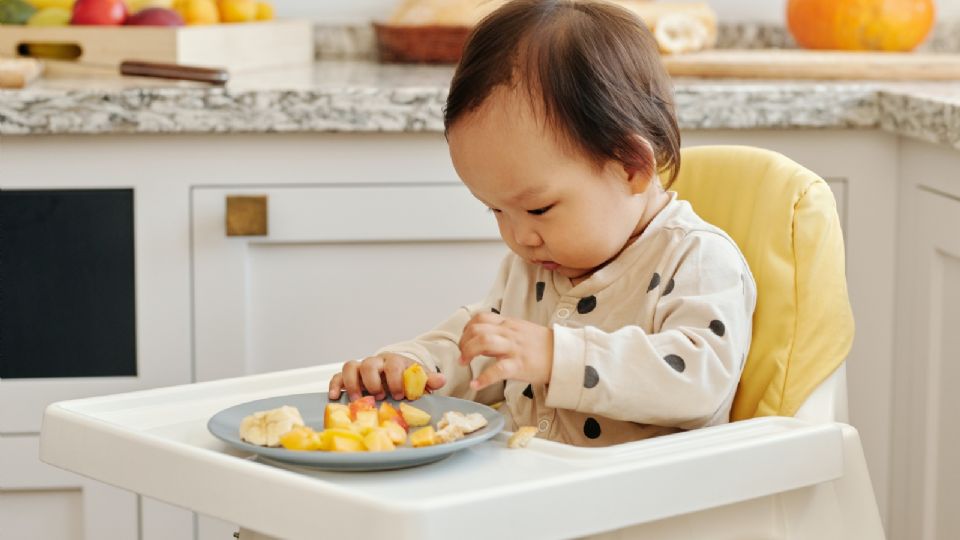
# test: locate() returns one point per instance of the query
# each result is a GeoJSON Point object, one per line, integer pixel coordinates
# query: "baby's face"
{"type": "Point", "coordinates": [553, 205]}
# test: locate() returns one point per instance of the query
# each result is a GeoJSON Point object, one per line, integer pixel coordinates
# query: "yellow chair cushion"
{"type": "Point", "coordinates": [784, 218]}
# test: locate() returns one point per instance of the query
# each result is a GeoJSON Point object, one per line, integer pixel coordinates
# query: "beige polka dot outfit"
{"type": "Point", "coordinates": [652, 343]}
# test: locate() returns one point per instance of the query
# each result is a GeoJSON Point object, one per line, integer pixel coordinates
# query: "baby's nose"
{"type": "Point", "coordinates": [527, 237]}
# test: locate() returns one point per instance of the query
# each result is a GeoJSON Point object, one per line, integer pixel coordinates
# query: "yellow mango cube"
{"type": "Point", "coordinates": [414, 381]}
{"type": "Point", "coordinates": [413, 416]}
{"type": "Point", "coordinates": [377, 440]}
{"type": "Point", "coordinates": [423, 437]}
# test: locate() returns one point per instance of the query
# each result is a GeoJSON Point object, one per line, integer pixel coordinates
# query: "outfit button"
{"type": "Point", "coordinates": [563, 313]}
{"type": "Point", "coordinates": [544, 425]}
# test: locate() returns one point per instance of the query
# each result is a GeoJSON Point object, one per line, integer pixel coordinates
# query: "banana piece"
{"type": "Point", "coordinates": [521, 437]}
{"type": "Point", "coordinates": [264, 428]}
{"type": "Point", "coordinates": [466, 423]}
{"type": "Point", "coordinates": [680, 33]}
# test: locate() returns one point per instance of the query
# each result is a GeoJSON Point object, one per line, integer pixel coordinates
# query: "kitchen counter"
{"type": "Point", "coordinates": [357, 96]}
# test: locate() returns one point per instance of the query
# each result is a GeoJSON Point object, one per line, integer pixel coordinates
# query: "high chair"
{"type": "Point", "coordinates": [785, 468]}
{"type": "Point", "coordinates": [784, 219]}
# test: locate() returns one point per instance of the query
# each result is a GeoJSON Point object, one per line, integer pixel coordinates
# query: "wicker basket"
{"type": "Point", "coordinates": [432, 44]}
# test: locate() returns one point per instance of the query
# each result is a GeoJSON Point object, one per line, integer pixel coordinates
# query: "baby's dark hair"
{"type": "Point", "coordinates": [595, 66]}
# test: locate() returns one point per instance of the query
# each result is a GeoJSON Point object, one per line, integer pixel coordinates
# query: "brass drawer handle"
{"type": "Point", "coordinates": [246, 215]}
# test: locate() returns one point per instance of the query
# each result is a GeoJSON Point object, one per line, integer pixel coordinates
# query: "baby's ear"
{"type": "Point", "coordinates": [640, 165]}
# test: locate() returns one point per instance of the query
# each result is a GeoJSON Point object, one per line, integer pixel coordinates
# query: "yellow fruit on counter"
{"type": "Point", "coordinates": [44, 4]}
{"type": "Point", "coordinates": [138, 5]}
{"type": "Point", "coordinates": [232, 11]}
{"type": "Point", "coordinates": [265, 11]}
{"type": "Point", "coordinates": [50, 16]}
{"type": "Point", "coordinates": [197, 11]}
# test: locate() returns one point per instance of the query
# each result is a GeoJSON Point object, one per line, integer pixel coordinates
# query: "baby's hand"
{"type": "Point", "coordinates": [377, 374]}
{"type": "Point", "coordinates": [524, 350]}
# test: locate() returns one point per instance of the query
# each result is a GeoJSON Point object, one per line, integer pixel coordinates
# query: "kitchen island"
{"type": "Point", "coordinates": [349, 159]}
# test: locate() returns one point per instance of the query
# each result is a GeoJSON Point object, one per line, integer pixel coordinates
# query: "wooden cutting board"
{"type": "Point", "coordinates": [803, 64]}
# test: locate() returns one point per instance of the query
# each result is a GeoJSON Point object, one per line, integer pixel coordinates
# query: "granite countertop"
{"type": "Point", "coordinates": [363, 96]}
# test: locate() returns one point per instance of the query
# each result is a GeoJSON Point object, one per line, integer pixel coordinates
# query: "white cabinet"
{"type": "Point", "coordinates": [927, 437]}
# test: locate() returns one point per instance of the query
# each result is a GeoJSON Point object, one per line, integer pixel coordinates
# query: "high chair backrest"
{"type": "Point", "coordinates": [784, 218]}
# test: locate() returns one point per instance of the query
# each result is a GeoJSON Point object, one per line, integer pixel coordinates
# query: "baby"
{"type": "Point", "coordinates": [620, 314]}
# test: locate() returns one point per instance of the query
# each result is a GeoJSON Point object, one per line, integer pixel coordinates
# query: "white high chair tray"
{"type": "Point", "coordinates": [156, 443]}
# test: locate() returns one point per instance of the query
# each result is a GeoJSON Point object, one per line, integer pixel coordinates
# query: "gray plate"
{"type": "Point", "coordinates": [225, 425]}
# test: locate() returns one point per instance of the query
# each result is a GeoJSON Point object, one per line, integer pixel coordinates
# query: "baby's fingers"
{"type": "Point", "coordinates": [351, 380]}
{"type": "Point", "coordinates": [336, 385]}
{"type": "Point", "coordinates": [484, 344]}
{"type": "Point", "coordinates": [500, 370]}
{"type": "Point", "coordinates": [370, 370]}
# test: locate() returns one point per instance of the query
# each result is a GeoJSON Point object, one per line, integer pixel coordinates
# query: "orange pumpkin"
{"type": "Point", "coordinates": [860, 25]}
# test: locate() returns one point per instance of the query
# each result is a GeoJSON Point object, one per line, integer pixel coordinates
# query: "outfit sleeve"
{"type": "Point", "coordinates": [439, 350]}
{"type": "Point", "coordinates": [683, 374]}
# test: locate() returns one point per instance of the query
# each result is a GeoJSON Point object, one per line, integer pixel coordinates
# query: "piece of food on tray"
{"type": "Point", "coordinates": [337, 415]}
{"type": "Point", "coordinates": [378, 440]}
{"type": "Point", "coordinates": [301, 438]}
{"type": "Point", "coordinates": [397, 433]}
{"type": "Point", "coordinates": [466, 423]}
{"type": "Point", "coordinates": [366, 403]}
{"type": "Point", "coordinates": [414, 381]}
{"type": "Point", "coordinates": [264, 428]}
{"type": "Point", "coordinates": [449, 434]}
{"type": "Point", "coordinates": [425, 436]}
{"type": "Point", "coordinates": [414, 416]}
{"type": "Point", "coordinates": [389, 413]}
{"type": "Point", "coordinates": [366, 421]}
{"type": "Point", "coordinates": [521, 437]}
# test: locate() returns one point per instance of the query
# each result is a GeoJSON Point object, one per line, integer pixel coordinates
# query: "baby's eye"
{"type": "Point", "coordinates": [540, 211]}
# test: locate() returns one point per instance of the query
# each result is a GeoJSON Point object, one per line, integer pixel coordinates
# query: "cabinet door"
{"type": "Point", "coordinates": [342, 271]}
{"type": "Point", "coordinates": [931, 480]}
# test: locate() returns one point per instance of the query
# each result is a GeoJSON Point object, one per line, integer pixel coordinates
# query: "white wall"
{"type": "Point", "coordinates": [358, 11]}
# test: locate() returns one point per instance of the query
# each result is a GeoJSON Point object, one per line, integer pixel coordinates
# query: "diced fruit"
{"type": "Point", "coordinates": [99, 12]}
{"type": "Point", "coordinates": [414, 416]}
{"type": "Point", "coordinates": [155, 17]}
{"type": "Point", "coordinates": [389, 412]}
{"type": "Point", "coordinates": [330, 409]}
{"type": "Point", "coordinates": [366, 421]}
{"type": "Point", "coordinates": [237, 10]}
{"type": "Point", "coordinates": [414, 381]}
{"type": "Point", "coordinates": [265, 11]}
{"type": "Point", "coordinates": [339, 420]}
{"type": "Point", "coordinates": [343, 440]}
{"type": "Point", "coordinates": [397, 434]}
{"type": "Point", "coordinates": [521, 437]}
{"type": "Point", "coordinates": [423, 437]}
{"type": "Point", "coordinates": [367, 403]}
{"type": "Point", "coordinates": [299, 438]}
{"type": "Point", "coordinates": [378, 440]}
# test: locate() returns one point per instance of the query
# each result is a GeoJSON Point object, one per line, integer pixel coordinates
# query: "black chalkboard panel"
{"type": "Point", "coordinates": [67, 303]}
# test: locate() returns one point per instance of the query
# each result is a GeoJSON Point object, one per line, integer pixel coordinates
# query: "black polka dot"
{"type": "Point", "coordinates": [669, 288]}
{"type": "Point", "coordinates": [495, 310]}
{"type": "Point", "coordinates": [675, 362]}
{"type": "Point", "coordinates": [540, 286]}
{"type": "Point", "coordinates": [586, 305]}
{"type": "Point", "coordinates": [591, 428]}
{"type": "Point", "coordinates": [590, 377]}
{"type": "Point", "coordinates": [437, 368]}
{"type": "Point", "coordinates": [654, 281]}
{"type": "Point", "coordinates": [718, 328]}
{"type": "Point", "coordinates": [528, 391]}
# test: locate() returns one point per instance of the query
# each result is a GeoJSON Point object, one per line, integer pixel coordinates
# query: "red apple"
{"type": "Point", "coordinates": [155, 17]}
{"type": "Point", "coordinates": [102, 12]}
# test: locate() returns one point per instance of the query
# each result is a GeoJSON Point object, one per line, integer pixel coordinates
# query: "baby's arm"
{"type": "Point", "coordinates": [683, 374]}
{"type": "Point", "coordinates": [438, 351]}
